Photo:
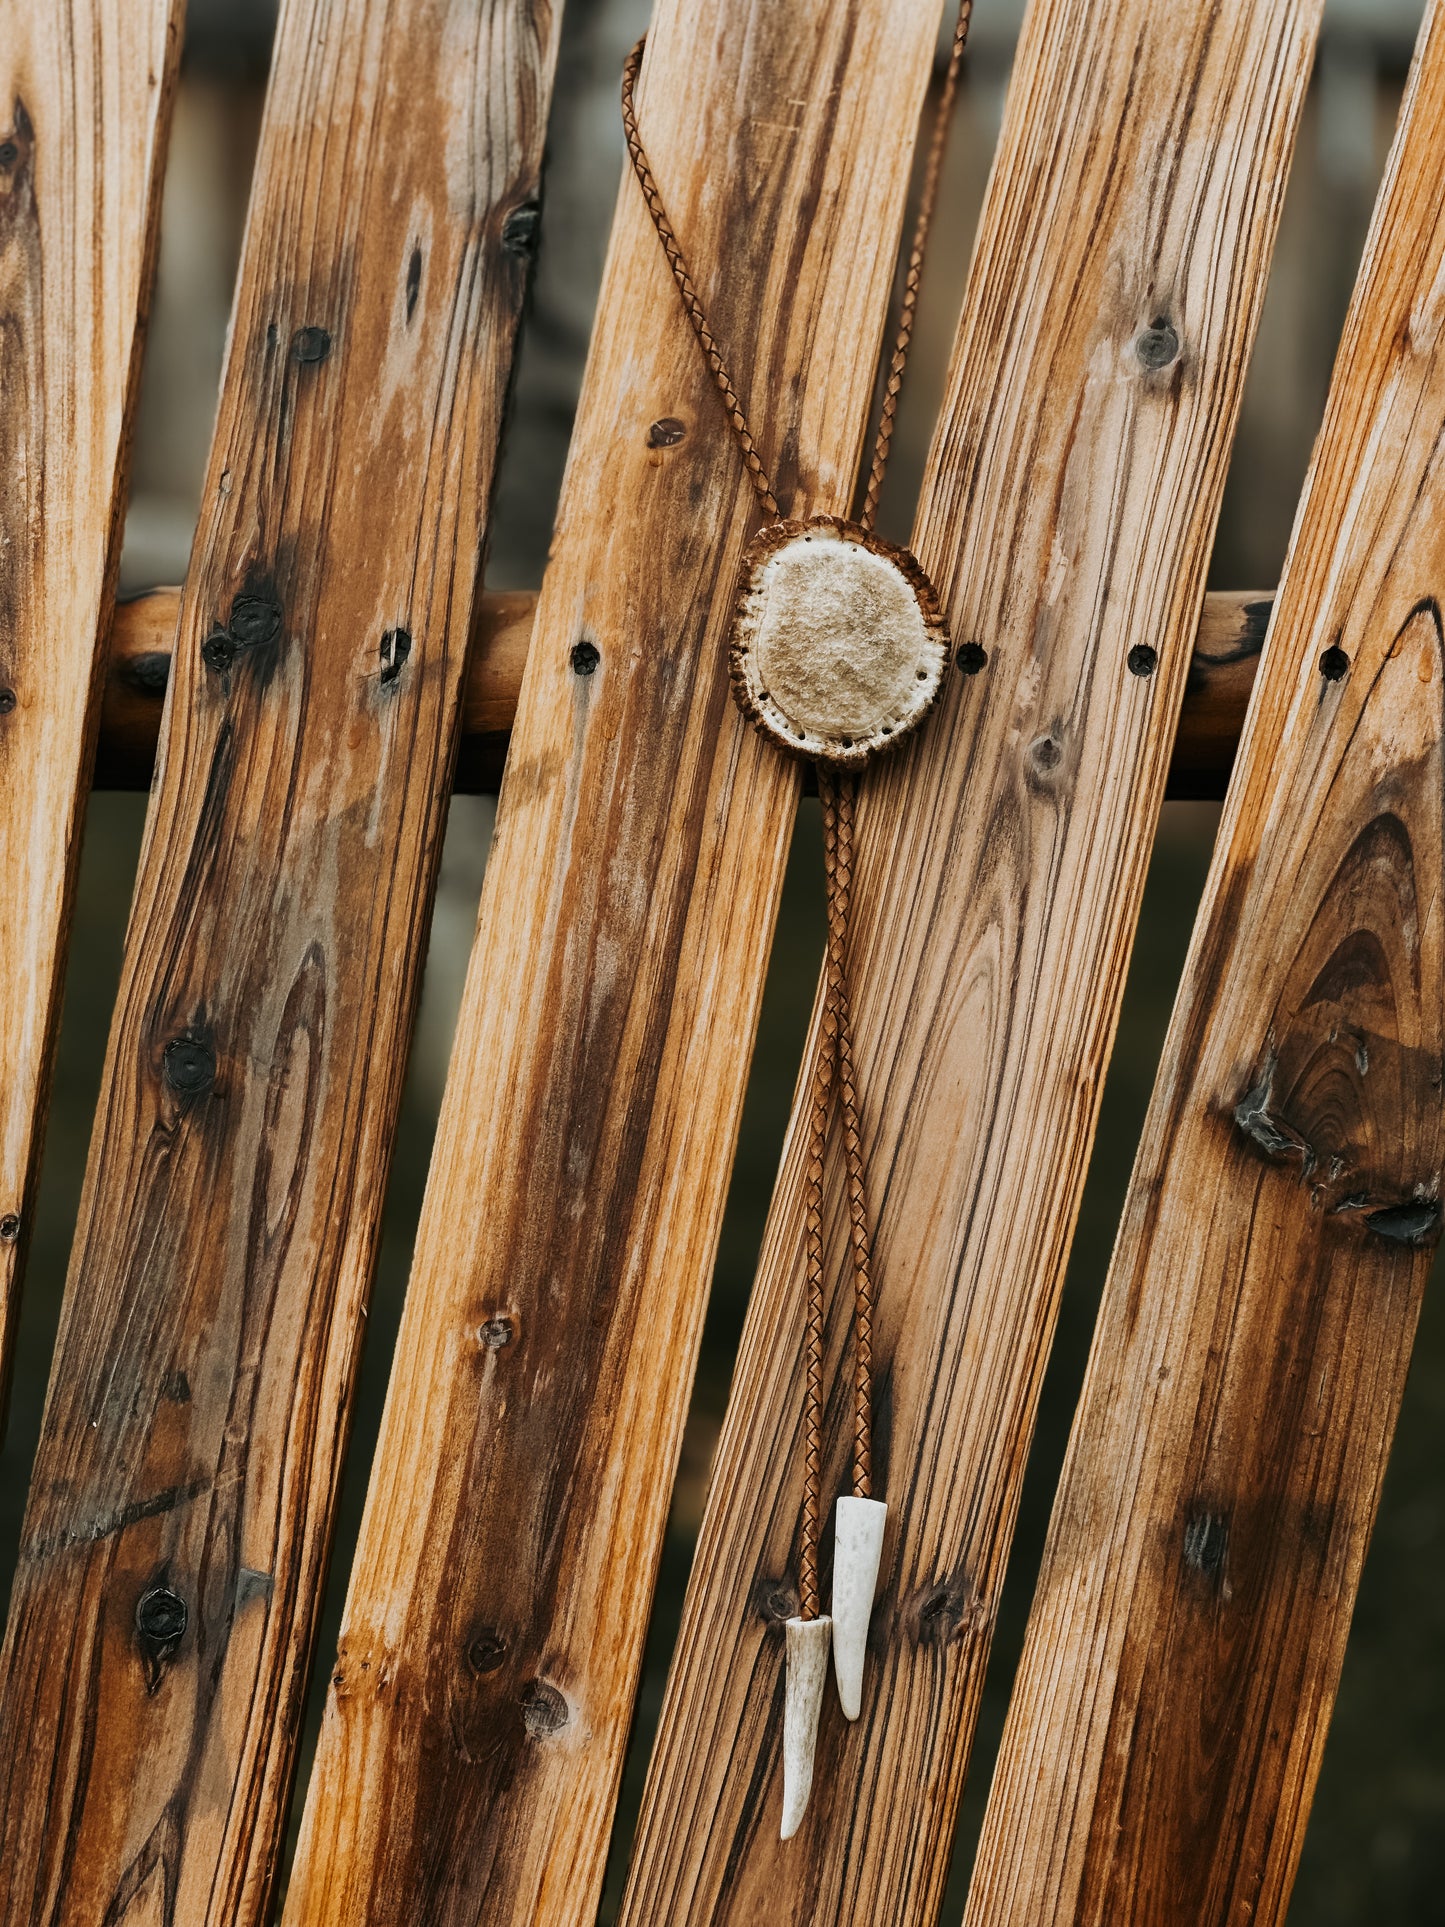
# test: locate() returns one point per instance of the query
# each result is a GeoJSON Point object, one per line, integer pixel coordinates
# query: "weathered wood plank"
{"type": "Point", "coordinates": [1221, 675]}
{"type": "Point", "coordinates": [179, 1516]}
{"type": "Point", "coordinates": [85, 91]}
{"type": "Point", "coordinates": [480, 1705]}
{"type": "Point", "coordinates": [1225, 1467]}
{"type": "Point", "coordinates": [1069, 509]}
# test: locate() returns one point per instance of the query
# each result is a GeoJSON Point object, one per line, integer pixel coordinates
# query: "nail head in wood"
{"type": "Point", "coordinates": [310, 344]}
{"type": "Point", "coordinates": [1334, 664]}
{"type": "Point", "coordinates": [189, 1066]}
{"type": "Point", "coordinates": [7, 701]}
{"type": "Point", "coordinates": [9, 1227]}
{"type": "Point", "coordinates": [544, 1710]}
{"type": "Point", "coordinates": [218, 651]}
{"type": "Point", "coordinates": [971, 657]}
{"type": "Point", "coordinates": [161, 1616]}
{"type": "Point", "coordinates": [585, 657]}
{"type": "Point", "coordinates": [1143, 659]}
{"type": "Point", "coordinates": [666, 432]}
{"type": "Point", "coordinates": [1157, 346]}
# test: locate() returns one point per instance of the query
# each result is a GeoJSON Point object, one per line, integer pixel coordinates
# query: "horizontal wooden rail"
{"type": "Point", "coordinates": [1226, 654]}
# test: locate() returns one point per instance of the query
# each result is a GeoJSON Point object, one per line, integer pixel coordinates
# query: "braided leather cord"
{"type": "Point", "coordinates": [908, 313]}
{"type": "Point", "coordinates": [691, 305]}
{"type": "Point", "coordinates": [837, 790]}
{"type": "Point", "coordinates": [813, 1315]}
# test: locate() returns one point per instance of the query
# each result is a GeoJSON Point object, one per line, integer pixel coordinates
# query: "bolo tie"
{"type": "Point", "coordinates": [837, 653]}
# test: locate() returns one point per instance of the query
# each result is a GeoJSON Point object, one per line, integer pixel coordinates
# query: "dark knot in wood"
{"type": "Point", "coordinates": [486, 1651]}
{"type": "Point", "coordinates": [522, 228]}
{"type": "Point", "coordinates": [1206, 1542]}
{"type": "Point", "coordinates": [395, 648]}
{"type": "Point", "coordinates": [255, 620]}
{"type": "Point", "coordinates": [1269, 1133]}
{"type": "Point", "coordinates": [1045, 753]}
{"type": "Point", "coordinates": [777, 1601]}
{"type": "Point", "coordinates": [666, 432]}
{"type": "Point", "coordinates": [944, 1610]}
{"type": "Point", "coordinates": [149, 672]}
{"type": "Point", "coordinates": [1415, 1223]}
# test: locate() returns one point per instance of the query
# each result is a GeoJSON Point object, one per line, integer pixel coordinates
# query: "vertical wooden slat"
{"type": "Point", "coordinates": [179, 1516]}
{"type": "Point", "coordinates": [1191, 1615]}
{"type": "Point", "coordinates": [85, 91]}
{"type": "Point", "coordinates": [1068, 513]}
{"type": "Point", "coordinates": [481, 1701]}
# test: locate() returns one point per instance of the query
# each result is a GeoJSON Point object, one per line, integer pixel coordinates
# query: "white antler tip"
{"type": "Point", "coordinates": [807, 1668]}
{"type": "Point", "coordinates": [857, 1548]}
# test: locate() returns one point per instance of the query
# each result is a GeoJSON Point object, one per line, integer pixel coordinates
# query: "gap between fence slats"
{"type": "Point", "coordinates": [175, 1539]}
{"type": "Point", "coordinates": [1222, 1480]}
{"type": "Point", "coordinates": [1068, 513]}
{"type": "Point", "coordinates": [1221, 675]}
{"type": "Point", "coordinates": [482, 1697]}
{"type": "Point", "coordinates": [79, 221]}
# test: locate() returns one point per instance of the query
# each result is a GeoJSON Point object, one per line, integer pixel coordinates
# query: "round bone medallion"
{"type": "Point", "coordinates": [838, 646]}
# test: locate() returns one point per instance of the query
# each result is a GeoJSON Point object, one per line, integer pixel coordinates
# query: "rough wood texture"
{"type": "Point", "coordinates": [483, 1693]}
{"type": "Point", "coordinates": [1226, 1462]}
{"type": "Point", "coordinates": [1221, 675]}
{"type": "Point", "coordinates": [179, 1515]}
{"type": "Point", "coordinates": [1094, 388]}
{"type": "Point", "coordinates": [85, 90]}
{"type": "Point", "coordinates": [1216, 693]}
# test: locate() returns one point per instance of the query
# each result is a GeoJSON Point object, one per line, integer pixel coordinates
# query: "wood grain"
{"type": "Point", "coordinates": [85, 92]}
{"type": "Point", "coordinates": [1227, 1455]}
{"type": "Point", "coordinates": [1221, 675]}
{"type": "Point", "coordinates": [179, 1515]}
{"type": "Point", "coordinates": [482, 1696]}
{"type": "Point", "coordinates": [1068, 509]}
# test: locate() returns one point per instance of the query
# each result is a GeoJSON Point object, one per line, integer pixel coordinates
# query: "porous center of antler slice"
{"type": "Point", "coordinates": [839, 638]}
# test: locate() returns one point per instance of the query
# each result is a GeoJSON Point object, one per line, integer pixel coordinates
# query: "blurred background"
{"type": "Point", "coordinates": [1376, 1847]}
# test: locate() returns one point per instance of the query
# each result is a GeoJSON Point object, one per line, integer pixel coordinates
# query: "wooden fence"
{"type": "Point", "coordinates": [331, 667]}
